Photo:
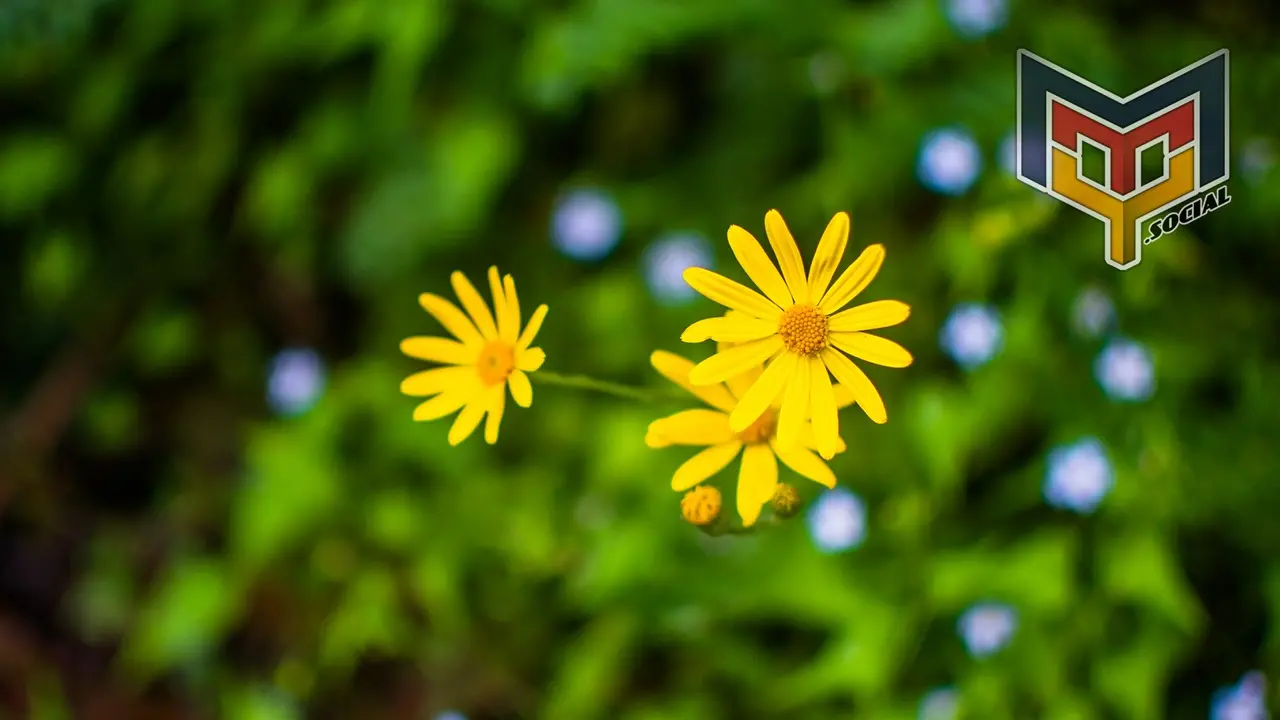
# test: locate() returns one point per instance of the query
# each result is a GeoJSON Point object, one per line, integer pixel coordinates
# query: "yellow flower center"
{"type": "Point", "coordinates": [701, 505]}
{"type": "Point", "coordinates": [496, 362]}
{"type": "Point", "coordinates": [803, 328]}
{"type": "Point", "coordinates": [760, 431]}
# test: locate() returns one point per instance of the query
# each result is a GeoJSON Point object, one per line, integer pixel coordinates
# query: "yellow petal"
{"type": "Point", "coordinates": [788, 253]}
{"type": "Point", "coordinates": [452, 319]}
{"type": "Point", "coordinates": [505, 331]}
{"type": "Point", "coordinates": [823, 408]}
{"type": "Point", "coordinates": [759, 267]}
{"type": "Point", "coordinates": [871, 348]}
{"type": "Point", "coordinates": [474, 305]}
{"type": "Point", "coordinates": [531, 330]}
{"type": "Point", "coordinates": [434, 382]}
{"type": "Point", "coordinates": [806, 465]}
{"type": "Point", "coordinates": [809, 440]}
{"type": "Point", "coordinates": [854, 280]}
{"type": "Point", "coordinates": [757, 479]}
{"type": "Point", "coordinates": [724, 365]}
{"type": "Point", "coordinates": [656, 441]}
{"type": "Point", "coordinates": [706, 463]}
{"type": "Point", "coordinates": [530, 359]}
{"type": "Point", "coordinates": [513, 310]}
{"type": "Point", "coordinates": [446, 402]}
{"type": "Point", "coordinates": [468, 420]}
{"type": "Point", "coordinates": [736, 329]}
{"type": "Point", "coordinates": [521, 390]}
{"type": "Point", "coordinates": [676, 369]}
{"type": "Point", "coordinates": [739, 384]}
{"type": "Point", "coordinates": [730, 294]}
{"type": "Point", "coordinates": [693, 427]}
{"type": "Point", "coordinates": [765, 390]}
{"type": "Point", "coordinates": [497, 404]}
{"type": "Point", "coordinates": [852, 377]}
{"type": "Point", "coordinates": [795, 405]}
{"type": "Point", "coordinates": [871, 316]}
{"type": "Point", "coordinates": [844, 396]}
{"type": "Point", "coordinates": [829, 254]}
{"type": "Point", "coordinates": [439, 350]}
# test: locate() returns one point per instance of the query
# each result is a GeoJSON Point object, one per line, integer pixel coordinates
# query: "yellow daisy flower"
{"type": "Point", "coordinates": [710, 429]}
{"type": "Point", "coordinates": [798, 328]}
{"type": "Point", "coordinates": [486, 357]}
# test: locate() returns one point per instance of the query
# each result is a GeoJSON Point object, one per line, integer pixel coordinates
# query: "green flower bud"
{"type": "Point", "coordinates": [786, 501]}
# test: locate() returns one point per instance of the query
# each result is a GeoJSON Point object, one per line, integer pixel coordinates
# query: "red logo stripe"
{"type": "Point", "coordinates": [1179, 124]}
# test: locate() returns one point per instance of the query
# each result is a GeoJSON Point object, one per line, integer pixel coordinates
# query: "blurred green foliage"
{"type": "Point", "coordinates": [188, 187]}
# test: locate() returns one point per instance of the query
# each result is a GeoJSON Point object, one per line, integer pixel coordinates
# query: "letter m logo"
{"type": "Point", "coordinates": [1186, 114]}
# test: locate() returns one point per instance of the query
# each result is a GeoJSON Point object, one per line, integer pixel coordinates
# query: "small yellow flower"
{"type": "Point", "coordinates": [486, 357]}
{"type": "Point", "coordinates": [701, 505]}
{"type": "Point", "coordinates": [798, 328]}
{"type": "Point", "coordinates": [710, 429]}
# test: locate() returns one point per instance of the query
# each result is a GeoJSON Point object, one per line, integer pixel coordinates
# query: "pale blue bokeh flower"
{"type": "Point", "coordinates": [665, 261]}
{"type": "Point", "coordinates": [1078, 476]}
{"type": "Point", "coordinates": [295, 381]}
{"type": "Point", "coordinates": [949, 161]}
{"type": "Point", "coordinates": [976, 18]}
{"type": "Point", "coordinates": [838, 521]}
{"type": "Point", "coordinates": [940, 704]}
{"type": "Point", "coordinates": [1246, 700]}
{"type": "Point", "coordinates": [987, 627]}
{"type": "Point", "coordinates": [1257, 158]}
{"type": "Point", "coordinates": [1125, 371]}
{"type": "Point", "coordinates": [972, 334]}
{"type": "Point", "coordinates": [1093, 313]}
{"type": "Point", "coordinates": [587, 225]}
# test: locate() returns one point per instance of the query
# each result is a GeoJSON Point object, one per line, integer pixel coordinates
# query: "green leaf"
{"type": "Point", "coordinates": [1139, 566]}
{"type": "Point", "coordinates": [392, 519]}
{"type": "Point", "coordinates": [258, 703]}
{"type": "Point", "coordinates": [112, 419]}
{"type": "Point", "coordinates": [290, 488]}
{"type": "Point", "coordinates": [862, 660]}
{"type": "Point", "coordinates": [165, 340]}
{"type": "Point", "coordinates": [442, 194]}
{"type": "Point", "coordinates": [194, 604]}
{"type": "Point", "coordinates": [623, 456]}
{"type": "Point", "coordinates": [368, 618]}
{"type": "Point", "coordinates": [608, 301]}
{"type": "Point", "coordinates": [46, 700]}
{"type": "Point", "coordinates": [892, 37]}
{"type": "Point", "coordinates": [1135, 679]}
{"type": "Point", "coordinates": [279, 194]}
{"type": "Point", "coordinates": [473, 154]}
{"type": "Point", "coordinates": [939, 424]}
{"type": "Point", "coordinates": [32, 168]}
{"type": "Point", "coordinates": [592, 669]}
{"type": "Point", "coordinates": [54, 268]}
{"type": "Point", "coordinates": [1037, 574]}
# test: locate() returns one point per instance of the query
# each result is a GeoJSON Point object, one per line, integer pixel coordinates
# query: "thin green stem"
{"type": "Point", "coordinates": [584, 382]}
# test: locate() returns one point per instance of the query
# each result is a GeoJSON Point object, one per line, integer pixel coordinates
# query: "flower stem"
{"type": "Point", "coordinates": [768, 522]}
{"type": "Point", "coordinates": [583, 382]}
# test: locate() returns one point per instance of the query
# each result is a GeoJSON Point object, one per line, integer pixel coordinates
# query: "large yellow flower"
{"type": "Point", "coordinates": [709, 428]}
{"type": "Point", "coordinates": [486, 358]}
{"type": "Point", "coordinates": [797, 326]}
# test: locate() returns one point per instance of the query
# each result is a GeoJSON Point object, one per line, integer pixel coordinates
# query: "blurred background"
{"type": "Point", "coordinates": [218, 215]}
